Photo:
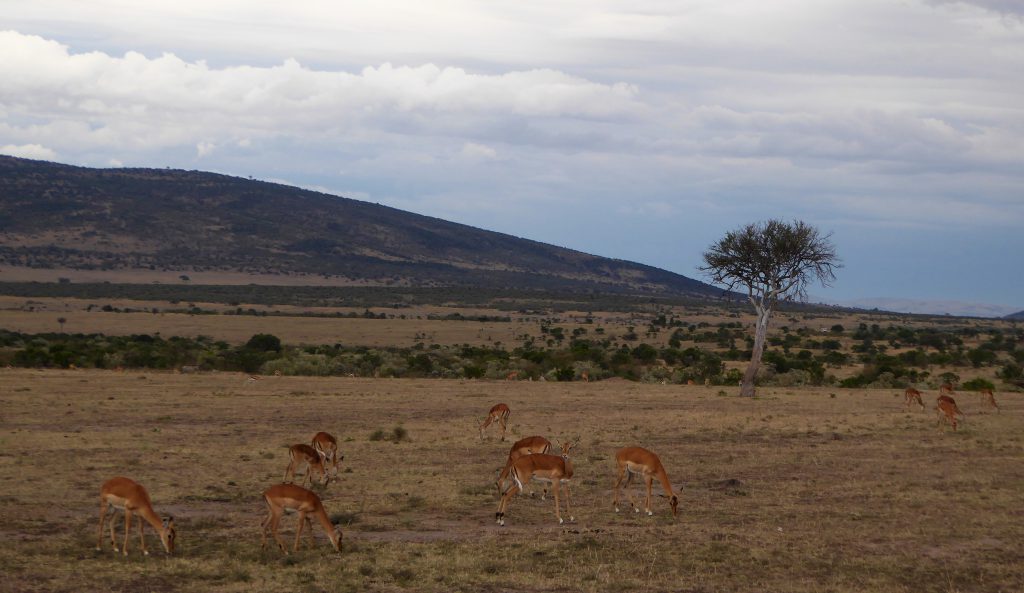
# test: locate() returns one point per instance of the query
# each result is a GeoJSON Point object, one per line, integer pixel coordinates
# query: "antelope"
{"type": "Point", "coordinates": [304, 454]}
{"type": "Point", "coordinates": [126, 495]}
{"type": "Point", "coordinates": [327, 447]}
{"type": "Point", "coordinates": [638, 461]}
{"type": "Point", "coordinates": [947, 410]}
{"type": "Point", "coordinates": [290, 496]}
{"type": "Point", "coordinates": [525, 446]}
{"type": "Point", "coordinates": [988, 398]}
{"type": "Point", "coordinates": [946, 387]}
{"type": "Point", "coordinates": [556, 469]}
{"type": "Point", "coordinates": [912, 395]}
{"type": "Point", "coordinates": [499, 413]}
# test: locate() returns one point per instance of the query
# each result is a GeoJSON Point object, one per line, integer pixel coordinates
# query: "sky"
{"type": "Point", "coordinates": [640, 130]}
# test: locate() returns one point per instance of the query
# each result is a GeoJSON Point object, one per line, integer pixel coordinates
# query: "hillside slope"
{"type": "Point", "coordinates": [54, 215]}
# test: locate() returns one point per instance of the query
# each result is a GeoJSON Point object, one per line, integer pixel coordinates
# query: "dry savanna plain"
{"type": "Point", "coordinates": [808, 489]}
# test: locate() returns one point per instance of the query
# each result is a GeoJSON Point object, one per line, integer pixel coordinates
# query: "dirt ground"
{"type": "Point", "coordinates": [798, 490]}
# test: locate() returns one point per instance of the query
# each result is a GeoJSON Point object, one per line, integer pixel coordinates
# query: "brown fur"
{"type": "Point", "coordinates": [912, 395]}
{"type": "Point", "coordinates": [947, 409]}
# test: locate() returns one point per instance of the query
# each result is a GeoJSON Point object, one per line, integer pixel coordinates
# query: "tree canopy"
{"type": "Point", "coordinates": [773, 260]}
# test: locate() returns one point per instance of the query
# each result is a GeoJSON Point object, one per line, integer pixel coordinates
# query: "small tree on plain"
{"type": "Point", "coordinates": [775, 261]}
{"type": "Point", "coordinates": [62, 321]}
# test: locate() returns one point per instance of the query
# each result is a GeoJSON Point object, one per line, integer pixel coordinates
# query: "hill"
{"type": "Point", "coordinates": [1018, 315]}
{"type": "Point", "coordinates": [54, 215]}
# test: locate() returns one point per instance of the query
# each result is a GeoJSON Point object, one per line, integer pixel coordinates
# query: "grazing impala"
{"type": "Point", "coordinates": [290, 496]}
{"type": "Point", "coordinates": [946, 388]}
{"type": "Point", "coordinates": [912, 395]}
{"type": "Point", "coordinates": [947, 409]}
{"type": "Point", "coordinates": [327, 447]}
{"type": "Point", "coordinates": [556, 469]}
{"type": "Point", "coordinates": [304, 454]}
{"type": "Point", "coordinates": [641, 462]}
{"type": "Point", "coordinates": [527, 446]}
{"type": "Point", "coordinates": [499, 413]}
{"type": "Point", "coordinates": [988, 398]}
{"type": "Point", "coordinates": [130, 497]}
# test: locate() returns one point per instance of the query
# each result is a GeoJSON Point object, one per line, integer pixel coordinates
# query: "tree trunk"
{"type": "Point", "coordinates": [749, 377]}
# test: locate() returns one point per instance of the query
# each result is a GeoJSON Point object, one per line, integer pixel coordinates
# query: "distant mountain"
{"type": "Point", "coordinates": [1018, 315]}
{"type": "Point", "coordinates": [954, 308]}
{"type": "Point", "coordinates": [54, 215]}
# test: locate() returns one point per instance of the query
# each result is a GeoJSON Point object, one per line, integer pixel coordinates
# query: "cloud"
{"type": "Point", "coordinates": [1005, 7]}
{"type": "Point", "coordinates": [611, 126]}
{"type": "Point", "coordinates": [28, 151]}
{"type": "Point", "coordinates": [474, 151]}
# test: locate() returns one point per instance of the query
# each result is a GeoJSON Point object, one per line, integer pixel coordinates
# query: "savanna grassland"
{"type": "Point", "coordinates": [801, 489]}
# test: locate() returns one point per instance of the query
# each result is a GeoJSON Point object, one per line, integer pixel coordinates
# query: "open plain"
{"type": "Point", "coordinates": [812, 489]}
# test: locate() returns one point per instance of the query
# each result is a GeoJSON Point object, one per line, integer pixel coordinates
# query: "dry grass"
{"type": "Point", "coordinates": [798, 490]}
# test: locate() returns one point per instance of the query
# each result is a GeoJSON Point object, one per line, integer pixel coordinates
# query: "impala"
{"type": "Point", "coordinates": [526, 446]}
{"type": "Point", "coordinates": [912, 395]}
{"type": "Point", "coordinates": [327, 447]}
{"type": "Point", "coordinates": [290, 496]}
{"type": "Point", "coordinates": [499, 413]}
{"type": "Point", "coordinates": [988, 398]}
{"type": "Point", "coordinates": [128, 496]}
{"type": "Point", "coordinates": [556, 469]}
{"type": "Point", "coordinates": [947, 410]}
{"type": "Point", "coordinates": [304, 454]}
{"type": "Point", "coordinates": [946, 388]}
{"type": "Point", "coordinates": [641, 462]}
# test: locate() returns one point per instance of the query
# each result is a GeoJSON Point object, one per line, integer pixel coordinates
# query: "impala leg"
{"type": "Point", "coordinates": [649, 480]}
{"type": "Point", "coordinates": [103, 518]}
{"type": "Point", "coordinates": [113, 537]}
{"type": "Point", "coordinates": [309, 530]}
{"type": "Point", "coordinates": [265, 527]}
{"type": "Point", "coordinates": [298, 531]}
{"type": "Point", "coordinates": [503, 503]}
{"type": "Point", "coordinates": [558, 511]}
{"type": "Point", "coordinates": [127, 525]}
{"type": "Point", "coordinates": [618, 482]}
{"type": "Point", "coordinates": [629, 493]}
{"type": "Point", "coordinates": [275, 522]}
{"type": "Point", "coordinates": [142, 539]}
{"type": "Point", "coordinates": [504, 424]}
{"type": "Point", "coordinates": [567, 501]}
{"type": "Point", "coordinates": [289, 472]}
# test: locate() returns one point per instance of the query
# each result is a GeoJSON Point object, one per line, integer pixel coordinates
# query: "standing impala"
{"type": "Point", "coordinates": [304, 454]}
{"type": "Point", "coordinates": [126, 495]}
{"type": "Point", "coordinates": [910, 396]}
{"type": "Point", "coordinates": [946, 409]}
{"type": "Point", "coordinates": [327, 447]}
{"type": "Point", "coordinates": [641, 462]}
{"type": "Point", "coordinates": [556, 469]}
{"type": "Point", "coordinates": [290, 496]}
{"type": "Point", "coordinates": [499, 413]}
{"type": "Point", "coordinates": [526, 446]}
{"type": "Point", "coordinates": [988, 398]}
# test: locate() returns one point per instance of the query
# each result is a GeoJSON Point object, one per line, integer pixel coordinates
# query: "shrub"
{"type": "Point", "coordinates": [977, 384]}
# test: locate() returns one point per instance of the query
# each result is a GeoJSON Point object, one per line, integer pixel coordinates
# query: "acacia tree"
{"type": "Point", "coordinates": [775, 261]}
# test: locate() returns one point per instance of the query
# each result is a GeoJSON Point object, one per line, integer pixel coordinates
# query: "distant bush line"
{"type": "Point", "coordinates": [577, 359]}
{"type": "Point", "coordinates": [358, 296]}
{"type": "Point", "coordinates": [264, 353]}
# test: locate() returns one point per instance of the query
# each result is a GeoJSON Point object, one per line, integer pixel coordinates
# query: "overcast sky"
{"type": "Point", "coordinates": [641, 130]}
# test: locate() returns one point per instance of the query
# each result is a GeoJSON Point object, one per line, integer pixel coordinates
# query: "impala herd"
{"type": "Point", "coordinates": [945, 406]}
{"type": "Point", "coordinates": [529, 459]}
